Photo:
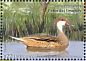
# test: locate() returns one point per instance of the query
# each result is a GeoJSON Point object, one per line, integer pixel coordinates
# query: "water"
{"type": "Point", "coordinates": [19, 50]}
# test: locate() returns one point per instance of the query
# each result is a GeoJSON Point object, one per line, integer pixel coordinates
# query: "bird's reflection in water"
{"type": "Point", "coordinates": [46, 52]}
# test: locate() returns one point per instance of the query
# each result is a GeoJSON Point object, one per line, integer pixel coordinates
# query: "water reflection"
{"type": "Point", "coordinates": [17, 48]}
{"type": "Point", "coordinates": [46, 52]}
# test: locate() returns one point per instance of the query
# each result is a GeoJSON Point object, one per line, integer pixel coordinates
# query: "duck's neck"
{"type": "Point", "coordinates": [60, 28]}
{"type": "Point", "coordinates": [62, 36]}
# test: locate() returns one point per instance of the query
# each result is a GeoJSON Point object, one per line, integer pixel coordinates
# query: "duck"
{"type": "Point", "coordinates": [59, 42]}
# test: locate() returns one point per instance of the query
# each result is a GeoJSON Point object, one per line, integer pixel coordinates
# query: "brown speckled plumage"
{"type": "Point", "coordinates": [59, 42]}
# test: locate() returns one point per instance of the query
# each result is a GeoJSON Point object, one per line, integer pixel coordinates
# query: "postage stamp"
{"type": "Point", "coordinates": [42, 30]}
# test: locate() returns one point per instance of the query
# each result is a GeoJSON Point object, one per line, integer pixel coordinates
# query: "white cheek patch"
{"type": "Point", "coordinates": [60, 25]}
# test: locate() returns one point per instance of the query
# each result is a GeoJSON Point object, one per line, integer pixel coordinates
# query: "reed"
{"type": "Point", "coordinates": [19, 21]}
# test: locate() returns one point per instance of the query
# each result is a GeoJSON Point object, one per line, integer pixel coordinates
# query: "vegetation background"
{"type": "Point", "coordinates": [26, 18]}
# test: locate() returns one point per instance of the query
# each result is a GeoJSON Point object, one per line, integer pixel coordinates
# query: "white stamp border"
{"type": "Point", "coordinates": [2, 33]}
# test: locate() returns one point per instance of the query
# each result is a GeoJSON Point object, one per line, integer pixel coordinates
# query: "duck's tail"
{"type": "Point", "coordinates": [16, 38]}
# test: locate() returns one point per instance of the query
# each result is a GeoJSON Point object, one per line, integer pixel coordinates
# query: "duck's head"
{"type": "Point", "coordinates": [62, 22]}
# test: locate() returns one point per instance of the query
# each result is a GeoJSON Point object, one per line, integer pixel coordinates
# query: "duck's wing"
{"type": "Point", "coordinates": [47, 38]}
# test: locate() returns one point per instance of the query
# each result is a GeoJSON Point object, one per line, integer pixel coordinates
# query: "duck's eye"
{"type": "Point", "coordinates": [62, 19]}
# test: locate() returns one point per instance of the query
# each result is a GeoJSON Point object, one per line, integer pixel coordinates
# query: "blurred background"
{"type": "Point", "coordinates": [23, 19]}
